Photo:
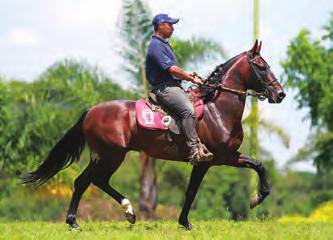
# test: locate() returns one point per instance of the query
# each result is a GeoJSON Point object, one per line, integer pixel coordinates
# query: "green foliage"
{"type": "Point", "coordinates": [266, 127]}
{"type": "Point", "coordinates": [73, 83]}
{"type": "Point", "coordinates": [224, 192]}
{"type": "Point", "coordinates": [35, 115]}
{"type": "Point", "coordinates": [308, 69]}
{"type": "Point", "coordinates": [172, 182]}
{"type": "Point", "coordinates": [195, 49]}
{"type": "Point", "coordinates": [37, 208]}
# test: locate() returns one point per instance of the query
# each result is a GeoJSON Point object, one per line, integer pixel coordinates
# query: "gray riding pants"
{"type": "Point", "coordinates": [174, 97]}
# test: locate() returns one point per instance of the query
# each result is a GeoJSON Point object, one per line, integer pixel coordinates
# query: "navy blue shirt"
{"type": "Point", "coordinates": [159, 58]}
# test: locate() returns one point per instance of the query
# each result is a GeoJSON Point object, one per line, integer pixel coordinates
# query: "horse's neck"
{"type": "Point", "coordinates": [235, 77]}
{"type": "Point", "coordinates": [228, 106]}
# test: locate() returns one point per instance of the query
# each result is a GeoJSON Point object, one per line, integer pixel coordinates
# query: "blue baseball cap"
{"type": "Point", "coordinates": [164, 18]}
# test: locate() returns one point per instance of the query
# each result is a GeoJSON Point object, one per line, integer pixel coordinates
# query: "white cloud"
{"type": "Point", "coordinates": [82, 15]}
{"type": "Point", "coordinates": [22, 37]}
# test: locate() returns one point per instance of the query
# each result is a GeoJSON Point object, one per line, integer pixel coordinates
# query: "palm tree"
{"type": "Point", "coordinates": [136, 30]}
{"type": "Point", "coordinates": [33, 115]}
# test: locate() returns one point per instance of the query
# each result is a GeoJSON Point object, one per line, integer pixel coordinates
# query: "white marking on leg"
{"type": "Point", "coordinates": [126, 204]}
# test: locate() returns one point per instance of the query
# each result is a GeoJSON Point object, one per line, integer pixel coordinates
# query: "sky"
{"type": "Point", "coordinates": [35, 34]}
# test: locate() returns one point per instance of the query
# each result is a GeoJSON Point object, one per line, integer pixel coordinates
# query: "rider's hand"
{"type": "Point", "coordinates": [195, 78]}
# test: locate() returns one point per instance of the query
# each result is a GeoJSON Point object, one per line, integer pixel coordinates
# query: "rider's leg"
{"type": "Point", "coordinates": [188, 125]}
{"type": "Point", "coordinates": [178, 101]}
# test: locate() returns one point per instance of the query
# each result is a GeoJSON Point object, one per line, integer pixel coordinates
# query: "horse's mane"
{"type": "Point", "coordinates": [216, 77]}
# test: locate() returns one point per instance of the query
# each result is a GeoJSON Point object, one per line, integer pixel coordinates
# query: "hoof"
{"type": "Point", "coordinates": [71, 221]}
{"type": "Point", "coordinates": [75, 227]}
{"type": "Point", "coordinates": [255, 201]}
{"type": "Point", "coordinates": [186, 225]}
{"type": "Point", "coordinates": [130, 217]}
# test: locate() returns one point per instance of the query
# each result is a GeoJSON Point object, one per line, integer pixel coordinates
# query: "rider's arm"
{"type": "Point", "coordinates": [181, 74]}
{"type": "Point", "coordinates": [166, 62]}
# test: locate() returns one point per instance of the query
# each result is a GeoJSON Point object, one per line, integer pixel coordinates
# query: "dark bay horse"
{"type": "Point", "coordinates": [110, 130]}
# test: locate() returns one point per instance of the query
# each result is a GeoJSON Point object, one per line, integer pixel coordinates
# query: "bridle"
{"type": "Point", "coordinates": [258, 76]}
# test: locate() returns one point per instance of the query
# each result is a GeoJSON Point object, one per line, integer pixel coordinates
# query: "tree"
{"type": "Point", "coordinates": [136, 30]}
{"type": "Point", "coordinates": [6, 118]}
{"type": "Point", "coordinates": [34, 115]}
{"type": "Point", "coordinates": [308, 69]}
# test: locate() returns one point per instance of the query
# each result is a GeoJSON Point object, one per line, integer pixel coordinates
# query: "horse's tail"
{"type": "Point", "coordinates": [67, 150]}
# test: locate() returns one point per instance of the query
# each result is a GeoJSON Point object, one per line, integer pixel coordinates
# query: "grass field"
{"type": "Point", "coordinates": [168, 230]}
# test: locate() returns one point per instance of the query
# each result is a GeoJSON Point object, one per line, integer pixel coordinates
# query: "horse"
{"type": "Point", "coordinates": [110, 130]}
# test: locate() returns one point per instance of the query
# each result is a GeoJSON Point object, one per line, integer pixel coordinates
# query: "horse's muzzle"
{"type": "Point", "coordinates": [281, 95]}
{"type": "Point", "coordinates": [277, 98]}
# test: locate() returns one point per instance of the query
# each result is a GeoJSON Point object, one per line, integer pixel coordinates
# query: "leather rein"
{"type": "Point", "coordinates": [260, 95]}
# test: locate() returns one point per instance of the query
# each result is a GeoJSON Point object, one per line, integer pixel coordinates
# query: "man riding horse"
{"type": "Point", "coordinates": [112, 129]}
{"type": "Point", "coordinates": [165, 77]}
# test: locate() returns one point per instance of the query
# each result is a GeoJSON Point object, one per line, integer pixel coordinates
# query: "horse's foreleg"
{"type": "Point", "coordinates": [263, 185]}
{"type": "Point", "coordinates": [80, 186]}
{"type": "Point", "coordinates": [198, 173]}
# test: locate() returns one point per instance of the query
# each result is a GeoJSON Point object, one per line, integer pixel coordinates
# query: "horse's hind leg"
{"type": "Point", "coordinates": [80, 186]}
{"type": "Point", "coordinates": [103, 170]}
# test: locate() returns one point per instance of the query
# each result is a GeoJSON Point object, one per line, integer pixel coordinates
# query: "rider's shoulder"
{"type": "Point", "coordinates": [156, 44]}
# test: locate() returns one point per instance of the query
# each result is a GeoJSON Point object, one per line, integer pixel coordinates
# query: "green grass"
{"type": "Point", "coordinates": [168, 230]}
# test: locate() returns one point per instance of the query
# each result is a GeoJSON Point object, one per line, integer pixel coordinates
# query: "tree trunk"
{"type": "Point", "coordinates": [148, 190]}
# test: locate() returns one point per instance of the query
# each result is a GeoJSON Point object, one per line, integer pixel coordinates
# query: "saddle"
{"type": "Point", "coordinates": [151, 114]}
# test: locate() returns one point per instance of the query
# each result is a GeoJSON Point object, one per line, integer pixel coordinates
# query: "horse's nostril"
{"type": "Point", "coordinates": [281, 95]}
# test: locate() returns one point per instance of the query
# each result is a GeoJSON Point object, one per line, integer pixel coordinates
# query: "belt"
{"type": "Point", "coordinates": [165, 85]}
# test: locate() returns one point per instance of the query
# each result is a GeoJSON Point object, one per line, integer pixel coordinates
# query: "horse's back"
{"type": "Point", "coordinates": [110, 122]}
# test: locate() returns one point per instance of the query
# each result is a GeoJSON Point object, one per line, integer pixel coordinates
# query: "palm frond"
{"type": "Point", "coordinates": [270, 127]}
{"type": "Point", "coordinates": [195, 49]}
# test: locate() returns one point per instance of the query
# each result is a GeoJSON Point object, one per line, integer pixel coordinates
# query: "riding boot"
{"type": "Point", "coordinates": [197, 151]}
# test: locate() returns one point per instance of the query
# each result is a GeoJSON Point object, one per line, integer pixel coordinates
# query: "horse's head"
{"type": "Point", "coordinates": [262, 79]}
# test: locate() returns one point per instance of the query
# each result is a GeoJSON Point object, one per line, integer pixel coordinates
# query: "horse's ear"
{"type": "Point", "coordinates": [255, 47]}
{"type": "Point", "coordinates": [259, 47]}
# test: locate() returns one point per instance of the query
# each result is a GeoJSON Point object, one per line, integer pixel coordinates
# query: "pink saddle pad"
{"type": "Point", "coordinates": [146, 118]}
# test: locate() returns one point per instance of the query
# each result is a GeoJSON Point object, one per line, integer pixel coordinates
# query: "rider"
{"type": "Point", "coordinates": [165, 77]}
